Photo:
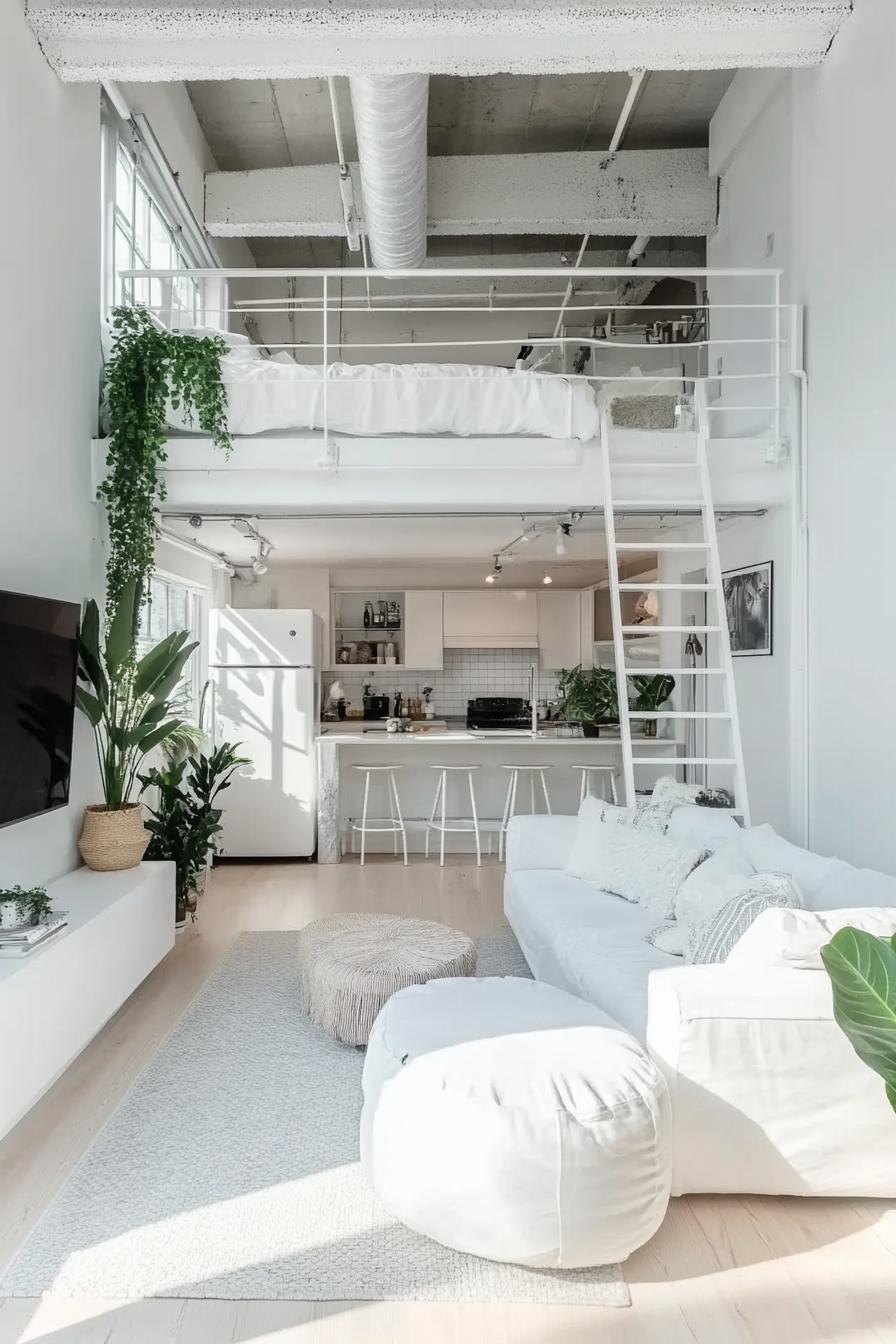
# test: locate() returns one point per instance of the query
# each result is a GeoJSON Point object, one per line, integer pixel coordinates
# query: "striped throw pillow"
{"type": "Point", "coordinates": [714, 940]}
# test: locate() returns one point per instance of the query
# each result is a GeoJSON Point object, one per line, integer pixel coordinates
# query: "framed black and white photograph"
{"type": "Point", "coordinates": [748, 604]}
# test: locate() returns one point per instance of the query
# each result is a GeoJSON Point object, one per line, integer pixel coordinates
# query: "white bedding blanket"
{"type": "Point", "coordinates": [459, 399]}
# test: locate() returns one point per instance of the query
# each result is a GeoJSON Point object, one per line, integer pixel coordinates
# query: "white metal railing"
{"type": "Point", "coordinates": [735, 338]}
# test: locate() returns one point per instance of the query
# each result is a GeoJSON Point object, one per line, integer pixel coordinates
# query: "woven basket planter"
{"type": "Point", "coordinates": [113, 838]}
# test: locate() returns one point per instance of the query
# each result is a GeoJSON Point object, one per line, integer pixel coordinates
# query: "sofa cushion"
{"type": "Point", "coordinates": [793, 939]}
{"type": "Point", "coordinates": [637, 864]}
{"type": "Point", "coordinates": [586, 941]}
{"type": "Point", "coordinates": [710, 886]}
{"type": "Point", "coordinates": [715, 940]}
{"type": "Point", "coordinates": [706, 826]}
{"type": "Point", "coordinates": [771, 853]}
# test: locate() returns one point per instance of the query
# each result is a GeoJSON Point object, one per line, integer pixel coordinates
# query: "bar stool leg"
{"type": "Point", "coordinates": [390, 790]}
{"type": "Point", "coordinates": [584, 789]}
{"type": "Point", "coordinates": [442, 833]}
{"type": "Point", "coordinates": [432, 815]}
{"type": "Point", "coordinates": [399, 818]}
{"type": "Point", "coordinates": [532, 792]}
{"type": "Point", "coordinates": [475, 819]}
{"type": "Point", "coordinates": [364, 816]}
{"type": "Point", "coordinates": [614, 792]}
{"type": "Point", "coordinates": [506, 816]}
{"type": "Point", "coordinates": [544, 789]}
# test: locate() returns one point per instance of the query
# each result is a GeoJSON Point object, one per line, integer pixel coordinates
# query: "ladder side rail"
{"type": "Point", "coordinates": [625, 732]}
{"type": "Point", "coordinates": [714, 565]}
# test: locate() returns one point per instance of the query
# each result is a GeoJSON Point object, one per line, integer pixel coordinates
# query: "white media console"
{"type": "Point", "coordinates": [53, 1002]}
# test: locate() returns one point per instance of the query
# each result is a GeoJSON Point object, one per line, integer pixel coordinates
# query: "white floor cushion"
{"type": "Point", "coordinates": [507, 1119]}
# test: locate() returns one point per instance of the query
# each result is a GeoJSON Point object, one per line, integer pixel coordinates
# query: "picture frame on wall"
{"type": "Point", "coordinates": [749, 607]}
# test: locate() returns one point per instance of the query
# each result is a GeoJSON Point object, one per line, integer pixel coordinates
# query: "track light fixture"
{"type": "Point", "coordinates": [260, 563]}
{"type": "Point", "coordinates": [547, 579]}
{"type": "Point", "coordinates": [496, 572]}
{"type": "Point", "coordinates": [564, 531]}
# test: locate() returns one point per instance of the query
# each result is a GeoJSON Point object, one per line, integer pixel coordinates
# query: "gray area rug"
{"type": "Point", "coordinates": [231, 1170]}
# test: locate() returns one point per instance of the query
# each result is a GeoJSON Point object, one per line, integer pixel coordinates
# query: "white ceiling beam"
{"type": "Point", "coordinates": [295, 39]}
{"type": "Point", "coordinates": [660, 192]}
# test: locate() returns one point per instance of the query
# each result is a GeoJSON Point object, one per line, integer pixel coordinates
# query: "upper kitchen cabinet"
{"type": "Point", "coordinates": [562, 639]}
{"type": "Point", "coordinates": [490, 620]}
{"type": "Point", "coordinates": [423, 647]}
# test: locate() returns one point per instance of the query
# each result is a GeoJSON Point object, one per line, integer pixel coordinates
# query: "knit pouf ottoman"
{"type": "Point", "coordinates": [508, 1119]}
{"type": "Point", "coordinates": [349, 965]}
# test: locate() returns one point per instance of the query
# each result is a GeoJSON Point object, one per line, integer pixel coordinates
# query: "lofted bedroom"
{"type": "Point", "coordinates": [447, 878]}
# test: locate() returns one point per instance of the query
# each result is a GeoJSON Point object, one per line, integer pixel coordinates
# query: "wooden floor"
{"type": "Point", "coordinates": [720, 1270]}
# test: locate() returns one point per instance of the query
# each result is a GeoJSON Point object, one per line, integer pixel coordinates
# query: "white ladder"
{"type": "Point", "coordinates": [706, 547]}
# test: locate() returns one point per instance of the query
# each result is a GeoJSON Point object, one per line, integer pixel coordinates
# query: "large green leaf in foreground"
{"type": "Point", "coordinates": [863, 974]}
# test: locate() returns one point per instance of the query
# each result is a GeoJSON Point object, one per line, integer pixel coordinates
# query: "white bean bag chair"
{"type": "Point", "coordinates": [505, 1118]}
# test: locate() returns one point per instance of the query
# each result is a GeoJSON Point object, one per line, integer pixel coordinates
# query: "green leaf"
{"type": "Point", "coordinates": [863, 976]}
{"type": "Point", "coordinates": [89, 705]}
{"type": "Point", "coordinates": [89, 651]}
{"type": "Point", "coordinates": [172, 674]}
{"type": "Point", "coordinates": [157, 735]}
{"type": "Point", "coordinates": [120, 635]}
{"type": "Point", "coordinates": [153, 666]}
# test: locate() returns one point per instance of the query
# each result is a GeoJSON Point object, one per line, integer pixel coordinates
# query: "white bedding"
{"type": "Point", "coordinates": [421, 399]}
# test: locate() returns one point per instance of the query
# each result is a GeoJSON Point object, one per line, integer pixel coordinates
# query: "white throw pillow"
{"type": "Point", "coordinates": [793, 939]}
{"type": "Point", "coordinates": [587, 839]}
{"type": "Point", "coordinates": [855, 888]}
{"type": "Point", "coordinates": [706, 826]}
{"type": "Point", "coordinates": [771, 853]}
{"type": "Point", "coordinates": [718, 937]}
{"type": "Point", "coordinates": [667, 938]}
{"type": "Point", "coordinates": [642, 866]}
{"type": "Point", "coordinates": [712, 885]}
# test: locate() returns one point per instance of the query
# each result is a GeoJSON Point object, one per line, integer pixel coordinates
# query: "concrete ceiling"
{"type": "Point", "coordinates": [281, 123]}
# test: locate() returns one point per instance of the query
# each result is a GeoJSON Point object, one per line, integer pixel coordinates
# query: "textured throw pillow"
{"type": "Point", "coordinates": [793, 939]}
{"type": "Point", "coordinates": [717, 938]}
{"type": "Point", "coordinates": [642, 867]}
{"type": "Point", "coordinates": [594, 814]}
{"type": "Point", "coordinates": [712, 885]}
{"type": "Point", "coordinates": [667, 938]}
{"type": "Point", "coordinates": [707, 826]}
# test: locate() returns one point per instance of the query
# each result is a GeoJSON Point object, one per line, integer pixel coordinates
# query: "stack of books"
{"type": "Point", "coordinates": [27, 939]}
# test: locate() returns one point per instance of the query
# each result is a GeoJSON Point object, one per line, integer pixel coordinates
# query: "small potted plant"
{"type": "Point", "coordinates": [651, 693]}
{"type": "Point", "coordinates": [588, 696]}
{"type": "Point", "coordinates": [128, 703]}
{"type": "Point", "coordinates": [19, 907]}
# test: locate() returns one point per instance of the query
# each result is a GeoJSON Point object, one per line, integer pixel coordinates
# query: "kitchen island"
{"type": "Point", "coordinates": [340, 789]}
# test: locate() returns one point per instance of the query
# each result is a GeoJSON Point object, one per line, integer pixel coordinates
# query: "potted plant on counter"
{"type": "Point", "coordinates": [19, 907]}
{"type": "Point", "coordinates": [651, 693]}
{"type": "Point", "coordinates": [588, 696]}
{"type": "Point", "coordinates": [128, 705]}
{"type": "Point", "coordinates": [184, 823]}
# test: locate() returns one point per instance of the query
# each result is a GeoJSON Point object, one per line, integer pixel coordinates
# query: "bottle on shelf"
{"type": "Point", "coordinates": [368, 615]}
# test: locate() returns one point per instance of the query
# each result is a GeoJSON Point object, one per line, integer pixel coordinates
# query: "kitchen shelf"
{"type": "Point", "coordinates": [372, 629]}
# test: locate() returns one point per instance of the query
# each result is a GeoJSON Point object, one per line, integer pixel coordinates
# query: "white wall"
{"type": "Point", "coordinates": [837, 122]}
{"type": "Point", "coordinates": [49, 369]}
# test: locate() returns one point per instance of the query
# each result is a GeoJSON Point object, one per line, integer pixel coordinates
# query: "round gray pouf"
{"type": "Point", "coordinates": [349, 965]}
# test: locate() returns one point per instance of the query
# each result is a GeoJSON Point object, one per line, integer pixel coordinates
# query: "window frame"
{"type": "Point", "coordinates": [196, 672]}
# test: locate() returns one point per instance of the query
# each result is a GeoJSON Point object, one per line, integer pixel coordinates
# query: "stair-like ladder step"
{"type": "Point", "coordinates": [662, 546]}
{"type": "Point", "coordinates": [620, 464]}
{"type": "Point", "coordinates": [666, 588]}
{"type": "Point", "coordinates": [674, 671]}
{"type": "Point", "coordinates": [671, 629]}
{"type": "Point", "coordinates": [680, 714]}
{"type": "Point", "coordinates": [650, 506]}
{"type": "Point", "coordinates": [684, 760]}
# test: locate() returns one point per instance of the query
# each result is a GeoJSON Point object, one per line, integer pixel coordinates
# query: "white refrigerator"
{"type": "Point", "coordinates": [263, 667]}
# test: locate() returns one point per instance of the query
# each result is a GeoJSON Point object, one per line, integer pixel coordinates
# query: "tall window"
{"type": "Point", "coordinates": [174, 606]}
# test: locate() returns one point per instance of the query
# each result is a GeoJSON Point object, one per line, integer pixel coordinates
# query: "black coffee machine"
{"type": "Point", "coordinates": [375, 706]}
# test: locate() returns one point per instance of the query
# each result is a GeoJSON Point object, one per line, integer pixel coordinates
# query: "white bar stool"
{"type": "Point", "coordinates": [393, 824]}
{"type": "Point", "coordinates": [510, 802]}
{"type": "Point", "coordinates": [606, 775]}
{"type": "Point", "coordinates": [464, 826]}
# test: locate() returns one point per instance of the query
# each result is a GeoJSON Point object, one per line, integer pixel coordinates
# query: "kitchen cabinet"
{"type": "Point", "coordinates": [490, 620]}
{"type": "Point", "coordinates": [423, 647]}
{"type": "Point", "coordinates": [559, 629]}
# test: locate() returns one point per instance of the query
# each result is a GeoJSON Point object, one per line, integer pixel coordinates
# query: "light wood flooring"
{"type": "Point", "coordinates": [720, 1271]}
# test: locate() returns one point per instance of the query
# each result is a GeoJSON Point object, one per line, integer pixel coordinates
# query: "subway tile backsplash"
{"type": "Point", "coordinates": [467, 673]}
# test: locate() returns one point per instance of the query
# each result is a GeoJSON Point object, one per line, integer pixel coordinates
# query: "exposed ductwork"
{"type": "Point", "coordinates": [390, 123]}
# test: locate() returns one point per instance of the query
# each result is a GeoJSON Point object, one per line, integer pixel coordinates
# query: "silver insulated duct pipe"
{"type": "Point", "coordinates": [390, 122]}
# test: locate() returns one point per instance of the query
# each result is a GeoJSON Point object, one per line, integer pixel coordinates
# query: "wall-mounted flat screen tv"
{"type": "Point", "coordinates": [38, 666]}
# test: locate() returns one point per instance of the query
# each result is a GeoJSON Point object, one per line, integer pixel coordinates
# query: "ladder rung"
{"type": "Point", "coordinates": [685, 760]}
{"type": "Point", "coordinates": [671, 629]}
{"type": "Point", "coordinates": [678, 714]}
{"type": "Point", "coordinates": [621, 465]}
{"type": "Point", "coordinates": [667, 588]}
{"type": "Point", "coordinates": [675, 671]}
{"type": "Point", "coordinates": [662, 546]}
{"type": "Point", "coordinates": [657, 505]}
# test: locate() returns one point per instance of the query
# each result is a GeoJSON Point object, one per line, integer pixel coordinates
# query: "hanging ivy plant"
{"type": "Point", "coordinates": [150, 367]}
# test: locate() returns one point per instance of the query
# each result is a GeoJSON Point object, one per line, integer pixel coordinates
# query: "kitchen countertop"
{"type": "Point", "coordinates": [545, 738]}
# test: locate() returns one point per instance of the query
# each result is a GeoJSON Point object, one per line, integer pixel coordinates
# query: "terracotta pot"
{"type": "Point", "coordinates": [113, 838]}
